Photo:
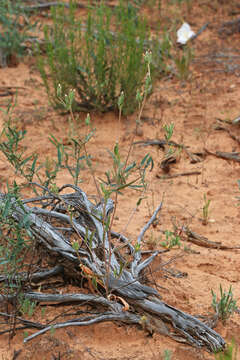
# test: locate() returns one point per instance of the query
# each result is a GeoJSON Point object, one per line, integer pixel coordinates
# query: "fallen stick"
{"type": "Point", "coordinates": [199, 32]}
{"type": "Point", "coordinates": [234, 156]}
{"type": "Point", "coordinates": [188, 173]}
{"type": "Point", "coordinates": [35, 277]}
{"type": "Point", "coordinates": [203, 241]}
{"type": "Point", "coordinates": [234, 137]}
{"type": "Point", "coordinates": [47, 6]}
{"type": "Point", "coordinates": [162, 142]}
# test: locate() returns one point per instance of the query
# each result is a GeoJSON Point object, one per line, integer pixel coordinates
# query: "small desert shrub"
{"type": "Point", "coordinates": [225, 305]}
{"type": "Point", "coordinates": [15, 236]}
{"type": "Point", "coordinates": [230, 353]}
{"type": "Point", "coordinates": [13, 31]}
{"type": "Point", "coordinates": [99, 58]}
{"type": "Point", "coordinates": [171, 240]}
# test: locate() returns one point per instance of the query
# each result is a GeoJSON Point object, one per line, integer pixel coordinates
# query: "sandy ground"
{"type": "Point", "coordinates": [211, 93]}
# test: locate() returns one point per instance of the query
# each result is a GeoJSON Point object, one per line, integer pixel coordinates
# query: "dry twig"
{"type": "Point", "coordinates": [234, 156]}
{"type": "Point", "coordinates": [203, 241]}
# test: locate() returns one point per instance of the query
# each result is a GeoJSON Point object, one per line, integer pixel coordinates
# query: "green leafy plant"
{"type": "Point", "coordinates": [183, 62]}
{"type": "Point", "coordinates": [147, 87]}
{"type": "Point", "coordinates": [167, 355]}
{"type": "Point", "coordinates": [226, 305]}
{"type": "Point", "coordinates": [168, 131]}
{"type": "Point", "coordinates": [10, 147]}
{"type": "Point", "coordinates": [230, 353]}
{"type": "Point", "coordinates": [27, 306]}
{"type": "Point", "coordinates": [16, 239]}
{"type": "Point", "coordinates": [13, 33]}
{"type": "Point", "coordinates": [171, 240]}
{"type": "Point", "coordinates": [205, 210]}
{"type": "Point", "coordinates": [99, 59]}
{"type": "Point", "coordinates": [117, 179]}
{"type": "Point", "coordinates": [71, 157]}
{"type": "Point", "coordinates": [170, 151]}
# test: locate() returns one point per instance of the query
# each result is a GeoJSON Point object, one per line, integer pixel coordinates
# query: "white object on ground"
{"type": "Point", "coordinates": [184, 33]}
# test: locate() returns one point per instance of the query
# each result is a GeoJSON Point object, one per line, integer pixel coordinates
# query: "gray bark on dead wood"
{"type": "Point", "coordinates": [75, 215]}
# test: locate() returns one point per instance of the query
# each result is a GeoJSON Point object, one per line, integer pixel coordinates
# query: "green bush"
{"type": "Point", "coordinates": [98, 59]}
{"type": "Point", "coordinates": [226, 305]}
{"type": "Point", "coordinates": [12, 32]}
{"type": "Point", "coordinates": [15, 236]}
{"type": "Point", "coordinates": [230, 352]}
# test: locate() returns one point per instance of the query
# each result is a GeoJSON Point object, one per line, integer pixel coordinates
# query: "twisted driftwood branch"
{"type": "Point", "coordinates": [63, 216]}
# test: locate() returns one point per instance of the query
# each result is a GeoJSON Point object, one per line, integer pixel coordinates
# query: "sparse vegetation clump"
{"type": "Point", "coordinates": [14, 28]}
{"type": "Point", "coordinates": [167, 355]}
{"type": "Point", "coordinates": [98, 58]}
{"type": "Point", "coordinates": [226, 305]}
{"type": "Point", "coordinates": [171, 240]}
{"type": "Point", "coordinates": [230, 353]}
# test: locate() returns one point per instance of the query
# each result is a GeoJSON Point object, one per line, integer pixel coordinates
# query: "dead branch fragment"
{"type": "Point", "coordinates": [167, 161]}
{"type": "Point", "coordinates": [47, 6]}
{"type": "Point", "coordinates": [188, 173]}
{"type": "Point", "coordinates": [234, 137]}
{"type": "Point", "coordinates": [108, 316]}
{"type": "Point", "coordinates": [199, 32]}
{"type": "Point", "coordinates": [35, 277]}
{"type": "Point", "coordinates": [234, 156]}
{"type": "Point", "coordinates": [27, 323]}
{"type": "Point", "coordinates": [230, 27]}
{"type": "Point", "coordinates": [203, 241]}
{"type": "Point", "coordinates": [236, 120]}
{"type": "Point", "coordinates": [162, 142]}
{"type": "Point", "coordinates": [9, 90]}
{"type": "Point", "coordinates": [69, 218]}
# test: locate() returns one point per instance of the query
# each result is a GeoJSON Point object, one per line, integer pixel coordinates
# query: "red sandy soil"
{"type": "Point", "coordinates": [212, 92]}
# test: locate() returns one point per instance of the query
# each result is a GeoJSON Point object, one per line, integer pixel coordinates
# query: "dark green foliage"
{"type": "Point", "coordinates": [30, 168]}
{"type": "Point", "coordinates": [11, 149]}
{"type": "Point", "coordinates": [12, 31]}
{"type": "Point", "coordinates": [99, 58]}
{"type": "Point", "coordinates": [15, 236]}
{"type": "Point", "coordinates": [226, 305]}
{"type": "Point", "coordinates": [118, 178]}
{"type": "Point", "coordinates": [230, 353]}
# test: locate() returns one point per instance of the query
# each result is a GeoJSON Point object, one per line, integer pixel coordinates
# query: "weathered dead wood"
{"type": "Point", "coordinates": [234, 156]}
{"type": "Point", "coordinates": [65, 219]}
{"type": "Point", "coordinates": [187, 325]}
{"type": "Point", "coordinates": [203, 241]}
{"type": "Point", "coordinates": [234, 137]}
{"type": "Point", "coordinates": [48, 5]}
{"type": "Point", "coordinates": [194, 158]}
{"type": "Point", "coordinates": [236, 121]}
{"type": "Point", "coordinates": [230, 27]}
{"type": "Point", "coordinates": [187, 173]}
{"type": "Point", "coordinates": [35, 277]}
{"type": "Point", "coordinates": [167, 161]}
{"type": "Point", "coordinates": [9, 90]}
{"type": "Point", "coordinates": [25, 322]}
{"type": "Point", "coordinates": [199, 32]}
